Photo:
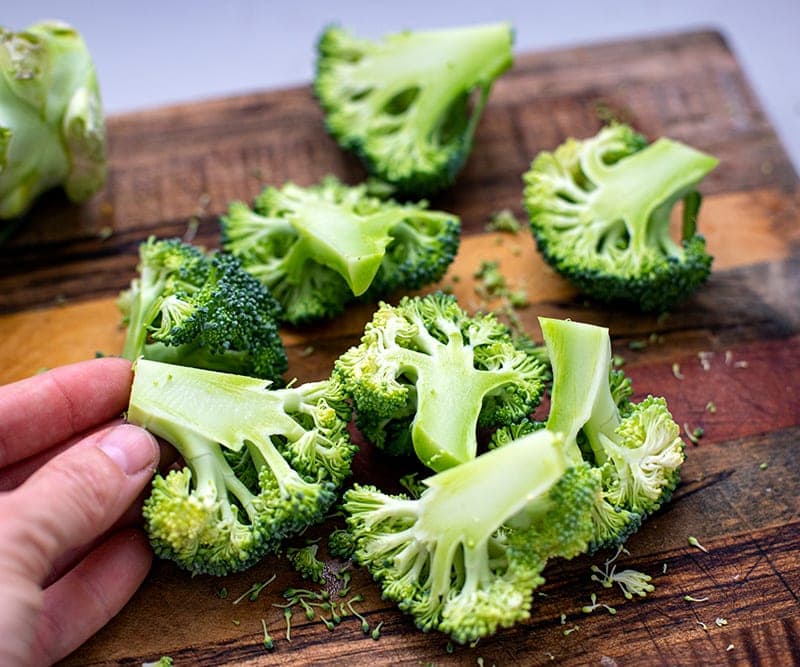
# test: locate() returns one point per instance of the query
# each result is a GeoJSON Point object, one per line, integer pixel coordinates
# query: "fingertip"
{"type": "Point", "coordinates": [131, 448]}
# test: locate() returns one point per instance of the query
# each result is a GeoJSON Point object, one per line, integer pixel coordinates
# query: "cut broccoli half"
{"type": "Point", "coordinates": [319, 247]}
{"type": "Point", "coordinates": [600, 213]}
{"type": "Point", "coordinates": [261, 464]}
{"type": "Point", "coordinates": [636, 447]}
{"type": "Point", "coordinates": [204, 311]}
{"type": "Point", "coordinates": [408, 104]}
{"type": "Point", "coordinates": [426, 375]}
{"type": "Point", "coordinates": [466, 555]}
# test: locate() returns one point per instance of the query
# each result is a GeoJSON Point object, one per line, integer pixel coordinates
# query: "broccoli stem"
{"type": "Point", "coordinates": [641, 189]}
{"type": "Point", "coordinates": [581, 398]}
{"type": "Point", "coordinates": [143, 308]}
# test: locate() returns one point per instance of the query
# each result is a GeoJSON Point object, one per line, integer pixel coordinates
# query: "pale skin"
{"type": "Point", "coordinates": [71, 472]}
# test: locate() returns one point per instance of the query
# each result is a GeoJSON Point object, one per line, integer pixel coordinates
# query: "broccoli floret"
{"type": "Point", "coordinates": [319, 247]}
{"type": "Point", "coordinates": [304, 561]}
{"type": "Point", "coordinates": [465, 566]}
{"type": "Point", "coordinates": [600, 213]}
{"type": "Point", "coordinates": [408, 105]}
{"type": "Point", "coordinates": [190, 309]}
{"type": "Point", "coordinates": [636, 447]}
{"type": "Point", "coordinates": [52, 127]}
{"type": "Point", "coordinates": [292, 450]}
{"type": "Point", "coordinates": [427, 374]}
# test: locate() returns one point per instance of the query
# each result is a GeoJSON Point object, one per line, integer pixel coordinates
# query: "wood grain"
{"type": "Point", "coordinates": [736, 343]}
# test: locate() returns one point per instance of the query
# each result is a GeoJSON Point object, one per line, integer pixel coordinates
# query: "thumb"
{"type": "Point", "coordinates": [76, 496]}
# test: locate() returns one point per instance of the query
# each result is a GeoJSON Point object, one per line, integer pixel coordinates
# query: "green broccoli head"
{"type": "Point", "coordinates": [465, 566]}
{"type": "Point", "coordinates": [205, 311]}
{"type": "Point", "coordinates": [52, 128]}
{"type": "Point", "coordinates": [635, 447]}
{"type": "Point", "coordinates": [408, 105]}
{"type": "Point", "coordinates": [425, 358]}
{"type": "Point", "coordinates": [319, 247]}
{"type": "Point", "coordinates": [600, 213]}
{"type": "Point", "coordinates": [261, 464]}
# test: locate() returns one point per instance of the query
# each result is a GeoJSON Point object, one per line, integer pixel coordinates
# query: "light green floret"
{"type": "Point", "coordinates": [319, 247]}
{"type": "Point", "coordinates": [600, 213]}
{"type": "Point", "coordinates": [637, 449]}
{"type": "Point", "coordinates": [465, 557]}
{"type": "Point", "coordinates": [408, 105]}
{"type": "Point", "coordinates": [427, 374]}
{"type": "Point", "coordinates": [261, 464]}
{"type": "Point", "coordinates": [52, 129]}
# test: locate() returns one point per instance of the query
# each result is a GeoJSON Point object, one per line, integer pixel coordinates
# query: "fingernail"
{"type": "Point", "coordinates": [130, 447]}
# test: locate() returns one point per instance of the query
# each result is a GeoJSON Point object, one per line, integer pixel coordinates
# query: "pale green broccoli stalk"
{"type": "Point", "coordinates": [317, 248]}
{"type": "Point", "coordinates": [262, 464]}
{"type": "Point", "coordinates": [205, 311]}
{"type": "Point", "coordinates": [427, 374]}
{"type": "Point", "coordinates": [636, 448]}
{"type": "Point", "coordinates": [465, 557]}
{"type": "Point", "coordinates": [52, 129]}
{"type": "Point", "coordinates": [600, 212]}
{"type": "Point", "coordinates": [408, 105]}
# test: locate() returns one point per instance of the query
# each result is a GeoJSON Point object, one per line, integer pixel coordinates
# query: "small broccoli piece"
{"type": "Point", "coordinates": [408, 105]}
{"type": "Point", "coordinates": [304, 561]}
{"type": "Point", "coordinates": [465, 566]}
{"type": "Point", "coordinates": [189, 309]}
{"type": "Point", "coordinates": [426, 375]}
{"type": "Point", "coordinates": [636, 447]}
{"type": "Point", "coordinates": [600, 213]}
{"type": "Point", "coordinates": [163, 661]}
{"type": "Point", "coordinates": [317, 248]}
{"type": "Point", "coordinates": [52, 128]}
{"type": "Point", "coordinates": [341, 544]}
{"type": "Point", "coordinates": [210, 516]}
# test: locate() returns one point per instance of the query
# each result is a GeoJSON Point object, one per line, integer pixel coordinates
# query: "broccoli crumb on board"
{"type": "Point", "coordinates": [504, 221]}
{"type": "Point", "coordinates": [693, 541]}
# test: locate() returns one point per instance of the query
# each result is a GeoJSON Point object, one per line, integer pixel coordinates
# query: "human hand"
{"type": "Point", "coordinates": [70, 471]}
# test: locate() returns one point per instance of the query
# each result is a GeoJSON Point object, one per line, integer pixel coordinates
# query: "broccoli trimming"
{"type": "Point", "coordinates": [261, 464]}
{"type": "Point", "coordinates": [408, 105]}
{"type": "Point", "coordinates": [52, 128]}
{"type": "Point", "coordinates": [465, 557]}
{"type": "Point", "coordinates": [304, 561]}
{"type": "Point", "coordinates": [190, 309]}
{"type": "Point", "coordinates": [635, 448]}
{"type": "Point", "coordinates": [426, 375]}
{"type": "Point", "coordinates": [317, 248]}
{"type": "Point", "coordinates": [600, 212]}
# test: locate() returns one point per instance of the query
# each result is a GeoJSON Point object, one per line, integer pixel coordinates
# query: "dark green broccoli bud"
{"type": "Point", "coordinates": [465, 566]}
{"type": "Point", "coordinates": [318, 248]}
{"type": "Point", "coordinates": [221, 514]}
{"type": "Point", "coordinates": [428, 369]}
{"type": "Point", "coordinates": [341, 544]}
{"type": "Point", "coordinates": [203, 311]}
{"type": "Point", "coordinates": [600, 213]}
{"type": "Point", "coordinates": [636, 447]}
{"type": "Point", "coordinates": [408, 105]}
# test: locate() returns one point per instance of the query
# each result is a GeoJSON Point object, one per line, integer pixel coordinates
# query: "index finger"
{"type": "Point", "coordinates": [42, 411]}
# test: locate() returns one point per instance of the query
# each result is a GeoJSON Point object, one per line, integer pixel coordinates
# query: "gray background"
{"type": "Point", "coordinates": [154, 53]}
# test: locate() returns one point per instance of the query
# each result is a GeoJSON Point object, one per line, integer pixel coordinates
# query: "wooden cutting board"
{"type": "Point", "coordinates": [173, 171]}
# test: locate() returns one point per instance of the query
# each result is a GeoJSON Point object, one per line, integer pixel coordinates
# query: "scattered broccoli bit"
{"type": "Point", "coordinates": [635, 449]}
{"type": "Point", "coordinates": [254, 591]}
{"type": "Point", "coordinates": [317, 248]}
{"type": "Point", "coordinates": [691, 598]}
{"type": "Point", "coordinates": [693, 434]}
{"type": "Point", "coordinates": [464, 566]}
{"type": "Point", "coordinates": [203, 311]}
{"type": "Point", "coordinates": [711, 407]}
{"type": "Point", "coordinates": [600, 208]}
{"type": "Point", "coordinates": [504, 221]}
{"type": "Point", "coordinates": [408, 105]}
{"type": "Point", "coordinates": [269, 643]}
{"type": "Point", "coordinates": [589, 608]}
{"type": "Point", "coordinates": [693, 541]}
{"type": "Point", "coordinates": [262, 464]}
{"type": "Point", "coordinates": [304, 561]}
{"type": "Point", "coordinates": [163, 661]}
{"type": "Point", "coordinates": [631, 582]}
{"type": "Point", "coordinates": [424, 359]}
{"type": "Point", "coordinates": [52, 127]}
